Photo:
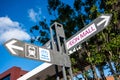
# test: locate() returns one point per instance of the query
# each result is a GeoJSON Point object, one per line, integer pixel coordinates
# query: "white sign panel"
{"type": "Point", "coordinates": [85, 33]}
{"type": "Point", "coordinates": [44, 54]}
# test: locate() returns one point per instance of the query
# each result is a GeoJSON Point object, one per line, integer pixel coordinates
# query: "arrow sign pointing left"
{"type": "Point", "coordinates": [11, 46]}
{"type": "Point", "coordinates": [21, 49]}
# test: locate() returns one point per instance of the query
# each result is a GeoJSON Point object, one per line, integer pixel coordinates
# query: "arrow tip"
{"type": "Point", "coordinates": [106, 18]}
{"type": "Point", "coordinates": [11, 46]}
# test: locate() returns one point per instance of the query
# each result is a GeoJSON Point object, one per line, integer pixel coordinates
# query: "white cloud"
{"type": "Point", "coordinates": [6, 23]}
{"type": "Point", "coordinates": [32, 15]}
{"type": "Point", "coordinates": [35, 15]}
{"type": "Point", "coordinates": [11, 29]}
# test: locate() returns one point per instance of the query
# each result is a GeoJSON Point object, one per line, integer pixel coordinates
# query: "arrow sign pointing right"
{"type": "Point", "coordinates": [88, 31]}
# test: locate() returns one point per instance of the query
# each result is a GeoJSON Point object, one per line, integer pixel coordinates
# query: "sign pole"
{"type": "Point", "coordinates": [64, 73]}
{"type": "Point", "coordinates": [57, 73]}
{"type": "Point", "coordinates": [70, 72]}
{"type": "Point", "coordinates": [59, 45]}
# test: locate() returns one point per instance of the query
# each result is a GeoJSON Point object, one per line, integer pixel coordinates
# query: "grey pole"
{"type": "Point", "coordinates": [70, 72]}
{"type": "Point", "coordinates": [57, 73]}
{"type": "Point", "coordinates": [64, 73]}
{"type": "Point", "coordinates": [59, 46]}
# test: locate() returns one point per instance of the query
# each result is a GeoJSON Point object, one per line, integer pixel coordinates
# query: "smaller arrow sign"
{"type": "Point", "coordinates": [30, 51]}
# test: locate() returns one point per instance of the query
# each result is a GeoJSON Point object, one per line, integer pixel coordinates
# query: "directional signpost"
{"type": "Point", "coordinates": [57, 53]}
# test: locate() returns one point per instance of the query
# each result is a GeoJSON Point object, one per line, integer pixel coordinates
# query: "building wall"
{"type": "Point", "coordinates": [14, 73]}
{"type": "Point", "coordinates": [110, 78]}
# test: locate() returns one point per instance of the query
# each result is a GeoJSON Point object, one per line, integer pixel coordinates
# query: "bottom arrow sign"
{"type": "Point", "coordinates": [30, 51]}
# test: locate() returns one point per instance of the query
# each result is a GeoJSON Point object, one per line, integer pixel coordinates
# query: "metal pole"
{"type": "Point", "coordinates": [57, 73]}
{"type": "Point", "coordinates": [70, 72]}
{"type": "Point", "coordinates": [64, 73]}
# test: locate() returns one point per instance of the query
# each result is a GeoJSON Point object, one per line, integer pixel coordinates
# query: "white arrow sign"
{"type": "Point", "coordinates": [88, 31]}
{"type": "Point", "coordinates": [30, 51]}
{"type": "Point", "coordinates": [11, 46]}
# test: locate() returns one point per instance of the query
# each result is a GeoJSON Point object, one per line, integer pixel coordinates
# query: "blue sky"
{"type": "Point", "coordinates": [16, 18]}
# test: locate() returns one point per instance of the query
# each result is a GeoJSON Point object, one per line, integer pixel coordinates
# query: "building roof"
{"type": "Point", "coordinates": [14, 72]}
{"type": "Point", "coordinates": [41, 71]}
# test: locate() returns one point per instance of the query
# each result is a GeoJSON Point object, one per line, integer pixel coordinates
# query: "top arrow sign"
{"type": "Point", "coordinates": [88, 31]}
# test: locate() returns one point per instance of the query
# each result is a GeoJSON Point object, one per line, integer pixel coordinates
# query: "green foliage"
{"type": "Point", "coordinates": [111, 2]}
{"type": "Point", "coordinates": [40, 32]}
{"type": "Point", "coordinates": [75, 70]}
{"type": "Point", "coordinates": [73, 61]}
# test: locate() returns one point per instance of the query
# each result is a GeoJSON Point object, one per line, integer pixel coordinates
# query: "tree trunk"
{"type": "Point", "coordinates": [95, 77]}
{"type": "Point", "coordinates": [84, 76]}
{"type": "Point", "coordinates": [101, 73]}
